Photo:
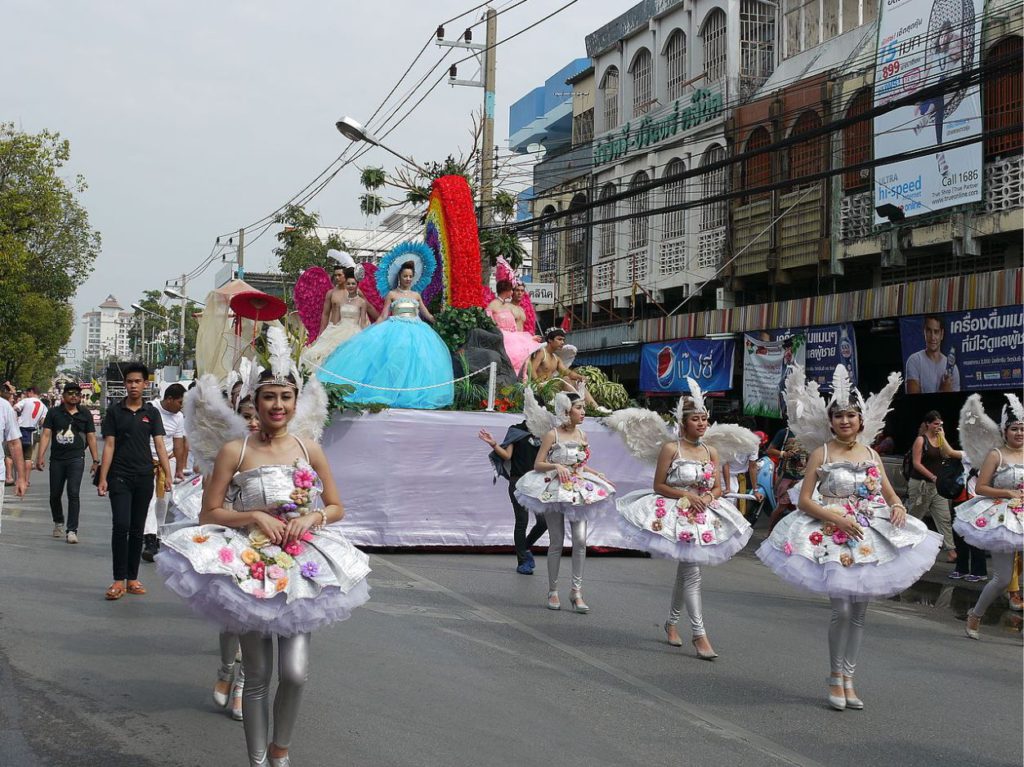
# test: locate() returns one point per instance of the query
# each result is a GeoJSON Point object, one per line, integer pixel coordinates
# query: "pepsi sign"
{"type": "Point", "coordinates": [664, 366]}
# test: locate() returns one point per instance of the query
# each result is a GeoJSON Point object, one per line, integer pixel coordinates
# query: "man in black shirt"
{"type": "Point", "coordinates": [513, 458]}
{"type": "Point", "coordinates": [127, 474]}
{"type": "Point", "coordinates": [71, 428]}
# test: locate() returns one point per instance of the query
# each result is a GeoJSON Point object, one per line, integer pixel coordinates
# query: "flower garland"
{"type": "Point", "coordinates": [451, 223]}
{"type": "Point", "coordinates": [311, 287]}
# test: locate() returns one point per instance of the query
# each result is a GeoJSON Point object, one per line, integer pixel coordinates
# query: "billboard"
{"type": "Point", "coordinates": [924, 47]}
{"type": "Point", "coordinates": [826, 347]}
{"type": "Point", "coordinates": [963, 351]}
{"type": "Point", "coordinates": [766, 364]}
{"type": "Point", "coordinates": [664, 366]}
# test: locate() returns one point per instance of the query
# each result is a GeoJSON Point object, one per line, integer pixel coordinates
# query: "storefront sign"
{"type": "Point", "coordinates": [766, 364]}
{"type": "Point", "coordinates": [928, 44]}
{"type": "Point", "coordinates": [826, 347]}
{"type": "Point", "coordinates": [664, 366]}
{"type": "Point", "coordinates": [541, 293]}
{"type": "Point", "coordinates": [683, 116]}
{"type": "Point", "coordinates": [963, 351]}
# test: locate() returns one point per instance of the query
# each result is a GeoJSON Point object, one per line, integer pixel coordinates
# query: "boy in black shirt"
{"type": "Point", "coordinates": [71, 428]}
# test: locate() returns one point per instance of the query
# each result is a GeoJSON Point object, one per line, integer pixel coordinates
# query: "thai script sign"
{"type": "Point", "coordinates": [826, 347]}
{"type": "Point", "coordinates": [766, 364]}
{"type": "Point", "coordinates": [664, 366]}
{"type": "Point", "coordinates": [704, 106]}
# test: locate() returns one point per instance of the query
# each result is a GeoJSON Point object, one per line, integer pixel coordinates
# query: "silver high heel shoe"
{"type": "Point", "coordinates": [677, 642]}
{"type": "Point", "coordinates": [852, 701]}
{"type": "Point", "coordinates": [576, 600]}
{"type": "Point", "coordinates": [700, 653]}
{"type": "Point", "coordinates": [972, 633]}
{"type": "Point", "coordinates": [838, 702]}
{"type": "Point", "coordinates": [553, 602]}
{"type": "Point", "coordinates": [236, 699]}
{"type": "Point", "coordinates": [280, 761]}
{"type": "Point", "coordinates": [221, 698]}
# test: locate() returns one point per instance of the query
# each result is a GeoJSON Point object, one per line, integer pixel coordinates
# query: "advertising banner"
{"type": "Point", "coordinates": [963, 351]}
{"type": "Point", "coordinates": [825, 347]}
{"type": "Point", "coordinates": [925, 46]}
{"type": "Point", "coordinates": [765, 367]}
{"type": "Point", "coordinates": [664, 366]}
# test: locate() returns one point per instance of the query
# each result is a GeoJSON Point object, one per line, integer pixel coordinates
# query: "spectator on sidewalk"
{"type": "Point", "coordinates": [127, 474]}
{"type": "Point", "coordinates": [70, 427]}
{"type": "Point", "coordinates": [169, 408]}
{"type": "Point", "coordinates": [10, 434]}
{"type": "Point", "coordinates": [928, 452]}
{"type": "Point", "coordinates": [7, 392]}
{"type": "Point", "coordinates": [970, 560]}
{"type": "Point", "coordinates": [792, 461]}
{"type": "Point", "coordinates": [31, 412]}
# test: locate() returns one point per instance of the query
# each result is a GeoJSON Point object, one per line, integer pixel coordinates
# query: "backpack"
{"type": "Point", "coordinates": [949, 479]}
{"type": "Point", "coordinates": [908, 465]}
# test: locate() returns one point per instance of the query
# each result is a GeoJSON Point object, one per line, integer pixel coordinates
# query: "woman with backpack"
{"type": "Point", "coordinates": [928, 453]}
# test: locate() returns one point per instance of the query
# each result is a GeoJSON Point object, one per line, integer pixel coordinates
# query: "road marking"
{"type": "Point", "coordinates": [713, 725]}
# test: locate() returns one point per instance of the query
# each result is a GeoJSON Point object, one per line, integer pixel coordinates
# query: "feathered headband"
{"type": "Point", "coordinates": [1013, 411]}
{"type": "Point", "coordinates": [280, 362]}
{"type": "Point", "coordinates": [346, 261]}
{"type": "Point", "coordinates": [690, 403]}
{"type": "Point", "coordinates": [844, 394]}
{"type": "Point", "coordinates": [554, 332]}
{"type": "Point", "coordinates": [563, 404]}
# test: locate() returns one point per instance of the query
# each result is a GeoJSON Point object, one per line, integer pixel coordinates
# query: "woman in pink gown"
{"type": "Point", "coordinates": [519, 344]}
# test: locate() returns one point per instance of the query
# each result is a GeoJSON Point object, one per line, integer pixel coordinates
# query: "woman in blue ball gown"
{"type": "Point", "coordinates": [399, 361]}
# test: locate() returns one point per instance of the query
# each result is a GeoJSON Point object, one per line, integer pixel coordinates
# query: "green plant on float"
{"type": "Point", "coordinates": [453, 325]}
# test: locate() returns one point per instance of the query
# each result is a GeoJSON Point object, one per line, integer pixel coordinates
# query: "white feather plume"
{"type": "Point", "coordinates": [643, 431]}
{"type": "Point", "coordinates": [310, 411]}
{"type": "Point", "coordinates": [733, 443]}
{"type": "Point", "coordinates": [876, 408]}
{"type": "Point", "coordinates": [979, 434]}
{"type": "Point", "coordinates": [210, 423]}
{"type": "Point", "coordinates": [245, 374]}
{"type": "Point", "coordinates": [696, 395]}
{"type": "Point", "coordinates": [842, 389]}
{"type": "Point", "coordinates": [807, 412]}
{"type": "Point", "coordinates": [1013, 402]}
{"type": "Point", "coordinates": [538, 419]}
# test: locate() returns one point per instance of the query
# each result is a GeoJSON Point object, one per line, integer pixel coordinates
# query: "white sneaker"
{"type": "Point", "coordinates": [72, 536]}
{"type": "Point", "coordinates": [58, 531]}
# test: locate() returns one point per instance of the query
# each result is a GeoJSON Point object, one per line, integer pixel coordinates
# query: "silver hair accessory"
{"type": "Point", "coordinates": [691, 403]}
{"type": "Point", "coordinates": [554, 330]}
{"type": "Point", "coordinates": [281, 363]}
{"type": "Point", "coordinates": [1013, 411]}
{"type": "Point", "coordinates": [844, 395]}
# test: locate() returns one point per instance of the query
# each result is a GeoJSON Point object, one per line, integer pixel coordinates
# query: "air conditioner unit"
{"type": "Point", "coordinates": [724, 299]}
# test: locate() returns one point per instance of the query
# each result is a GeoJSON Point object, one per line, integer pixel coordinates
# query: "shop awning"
{"type": "Point", "coordinates": [605, 357]}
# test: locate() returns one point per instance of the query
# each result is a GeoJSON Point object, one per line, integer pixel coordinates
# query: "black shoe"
{"type": "Point", "coordinates": [150, 546]}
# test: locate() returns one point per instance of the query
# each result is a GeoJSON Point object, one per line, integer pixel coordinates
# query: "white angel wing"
{"type": "Point", "coordinates": [979, 434]}
{"type": "Point", "coordinates": [643, 431]}
{"type": "Point", "coordinates": [806, 411]}
{"type": "Point", "coordinates": [539, 420]}
{"type": "Point", "coordinates": [310, 411]}
{"type": "Point", "coordinates": [210, 422]}
{"type": "Point", "coordinates": [876, 408]}
{"type": "Point", "coordinates": [567, 354]}
{"type": "Point", "coordinates": [733, 443]}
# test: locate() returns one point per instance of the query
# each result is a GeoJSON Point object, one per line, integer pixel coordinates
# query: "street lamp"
{"type": "Point", "coordinates": [354, 131]}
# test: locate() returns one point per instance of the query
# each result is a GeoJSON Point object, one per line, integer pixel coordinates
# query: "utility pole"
{"type": "Point", "coordinates": [181, 336]}
{"type": "Point", "coordinates": [240, 272]}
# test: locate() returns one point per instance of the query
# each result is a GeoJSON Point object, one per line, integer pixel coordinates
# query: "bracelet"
{"type": "Point", "coordinates": [898, 506]}
{"type": "Point", "coordinates": [323, 517]}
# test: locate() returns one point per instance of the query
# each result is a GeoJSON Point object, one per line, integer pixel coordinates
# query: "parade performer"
{"type": "Point", "coordinates": [400, 361]}
{"type": "Point", "coordinates": [275, 564]}
{"type": "Point", "coordinates": [549, 363]}
{"type": "Point", "coordinates": [563, 487]}
{"type": "Point", "coordinates": [994, 519]}
{"type": "Point", "coordinates": [345, 314]}
{"type": "Point", "coordinates": [850, 538]}
{"type": "Point", "coordinates": [509, 318]}
{"type": "Point", "coordinates": [685, 517]}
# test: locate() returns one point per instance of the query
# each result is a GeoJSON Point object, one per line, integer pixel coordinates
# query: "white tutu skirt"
{"type": "Point", "coordinates": [212, 569]}
{"type": "Point", "coordinates": [807, 553]}
{"type": "Point", "coordinates": [583, 497]}
{"type": "Point", "coordinates": [654, 523]}
{"type": "Point", "coordinates": [990, 524]}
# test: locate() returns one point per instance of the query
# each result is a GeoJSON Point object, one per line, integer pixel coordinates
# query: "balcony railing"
{"type": "Point", "coordinates": [1004, 183]}
{"type": "Point", "coordinates": [710, 248]}
{"type": "Point", "coordinates": [638, 264]}
{"type": "Point", "coordinates": [857, 215]}
{"type": "Point", "coordinates": [672, 257]}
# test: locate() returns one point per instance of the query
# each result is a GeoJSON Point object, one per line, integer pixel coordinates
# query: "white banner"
{"type": "Point", "coordinates": [541, 293]}
{"type": "Point", "coordinates": [922, 44]}
{"type": "Point", "coordinates": [765, 367]}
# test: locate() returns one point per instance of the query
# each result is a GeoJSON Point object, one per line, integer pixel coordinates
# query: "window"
{"type": "Point", "coordinates": [713, 183]}
{"type": "Point", "coordinates": [641, 72]}
{"type": "Point", "coordinates": [805, 156]}
{"type": "Point", "coordinates": [757, 170]}
{"type": "Point", "coordinates": [610, 97]}
{"type": "Point", "coordinates": [1002, 99]}
{"type": "Point", "coordinates": [607, 227]}
{"type": "Point", "coordinates": [639, 225]}
{"type": "Point", "coordinates": [675, 64]}
{"type": "Point", "coordinates": [577, 235]}
{"type": "Point", "coordinates": [674, 222]}
{"type": "Point", "coordinates": [857, 139]}
{"type": "Point", "coordinates": [583, 127]}
{"type": "Point", "coordinates": [715, 52]}
{"type": "Point", "coordinates": [548, 243]}
{"type": "Point", "coordinates": [757, 42]}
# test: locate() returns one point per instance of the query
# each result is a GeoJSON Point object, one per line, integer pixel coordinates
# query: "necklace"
{"type": "Point", "coordinates": [696, 443]}
{"type": "Point", "coordinates": [844, 443]}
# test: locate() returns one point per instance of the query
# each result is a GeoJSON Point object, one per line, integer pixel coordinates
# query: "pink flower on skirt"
{"type": "Point", "coordinates": [699, 518]}
{"type": "Point", "coordinates": [787, 549]}
{"type": "Point", "coordinates": [981, 522]}
{"type": "Point", "coordinates": [307, 536]}
{"type": "Point", "coordinates": [294, 548]}
{"type": "Point", "coordinates": [686, 536]}
{"type": "Point", "coordinates": [707, 536]}
{"type": "Point", "coordinates": [839, 537]}
{"type": "Point", "coordinates": [274, 572]}
{"type": "Point", "coordinates": [226, 555]}
{"type": "Point", "coordinates": [659, 513]}
{"type": "Point", "coordinates": [816, 537]}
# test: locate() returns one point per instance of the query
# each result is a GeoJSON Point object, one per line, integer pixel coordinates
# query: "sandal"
{"type": "Point", "coordinates": [136, 587]}
{"type": "Point", "coordinates": [116, 591]}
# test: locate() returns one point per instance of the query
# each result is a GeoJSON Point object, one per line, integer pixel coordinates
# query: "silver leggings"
{"type": "Point", "coordinates": [1002, 574]}
{"type": "Point", "coordinates": [687, 592]}
{"type": "Point", "coordinates": [845, 631]}
{"type": "Point", "coordinates": [228, 653]}
{"type": "Point", "coordinates": [556, 535]}
{"type": "Point", "coordinates": [293, 669]}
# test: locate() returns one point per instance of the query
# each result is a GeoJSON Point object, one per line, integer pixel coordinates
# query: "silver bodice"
{"type": "Point", "coordinates": [261, 488]}
{"type": "Point", "coordinates": [685, 472]}
{"type": "Point", "coordinates": [568, 453]}
{"type": "Point", "coordinates": [1008, 476]}
{"type": "Point", "coordinates": [405, 308]}
{"type": "Point", "coordinates": [844, 479]}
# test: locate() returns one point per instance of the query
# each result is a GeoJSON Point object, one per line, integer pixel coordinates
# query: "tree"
{"type": "Point", "coordinates": [299, 246]}
{"type": "Point", "coordinates": [47, 249]}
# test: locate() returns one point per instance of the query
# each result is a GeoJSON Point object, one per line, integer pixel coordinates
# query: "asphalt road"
{"type": "Point", "coordinates": [455, 661]}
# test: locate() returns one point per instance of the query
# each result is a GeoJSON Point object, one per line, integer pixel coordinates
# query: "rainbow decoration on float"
{"type": "Point", "coordinates": [451, 233]}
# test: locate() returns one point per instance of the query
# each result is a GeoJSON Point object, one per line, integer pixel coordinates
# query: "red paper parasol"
{"type": "Point", "coordinates": [255, 305]}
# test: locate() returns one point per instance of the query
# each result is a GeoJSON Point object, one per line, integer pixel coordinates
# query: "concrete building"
{"type": "Point", "coordinates": [105, 331]}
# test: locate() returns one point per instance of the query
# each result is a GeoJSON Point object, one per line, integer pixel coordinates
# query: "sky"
{"type": "Point", "coordinates": [194, 118]}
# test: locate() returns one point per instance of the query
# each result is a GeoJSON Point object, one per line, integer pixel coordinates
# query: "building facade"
{"type": "Point", "coordinates": [105, 331]}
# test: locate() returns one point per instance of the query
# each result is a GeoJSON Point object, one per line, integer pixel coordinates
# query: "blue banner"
{"type": "Point", "coordinates": [826, 347]}
{"type": "Point", "coordinates": [963, 351]}
{"type": "Point", "coordinates": [664, 366]}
